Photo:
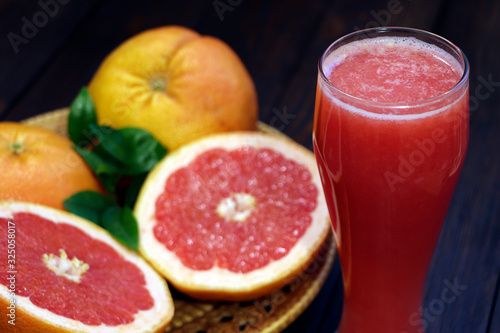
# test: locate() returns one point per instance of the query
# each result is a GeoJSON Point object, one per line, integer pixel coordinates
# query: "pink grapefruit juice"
{"type": "Point", "coordinates": [390, 136]}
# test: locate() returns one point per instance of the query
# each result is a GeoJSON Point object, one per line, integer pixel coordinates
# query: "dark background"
{"type": "Point", "coordinates": [280, 43]}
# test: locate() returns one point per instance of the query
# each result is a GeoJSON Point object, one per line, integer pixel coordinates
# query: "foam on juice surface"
{"type": "Point", "coordinates": [392, 69]}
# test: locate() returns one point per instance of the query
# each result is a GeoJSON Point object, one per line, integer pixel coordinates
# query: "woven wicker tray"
{"type": "Point", "coordinates": [271, 313]}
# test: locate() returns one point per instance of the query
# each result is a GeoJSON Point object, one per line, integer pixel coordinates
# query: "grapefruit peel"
{"type": "Point", "coordinates": [220, 283]}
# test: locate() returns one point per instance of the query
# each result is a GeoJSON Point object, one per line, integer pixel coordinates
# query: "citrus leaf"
{"type": "Point", "coordinates": [121, 223]}
{"type": "Point", "coordinates": [133, 150]}
{"type": "Point", "coordinates": [89, 205]}
{"type": "Point", "coordinates": [133, 189]}
{"type": "Point", "coordinates": [144, 151]}
{"type": "Point", "coordinates": [113, 143]}
{"type": "Point", "coordinates": [104, 167]}
{"type": "Point", "coordinates": [82, 114]}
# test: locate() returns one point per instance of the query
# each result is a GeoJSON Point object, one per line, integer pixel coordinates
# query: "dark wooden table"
{"type": "Point", "coordinates": [43, 67]}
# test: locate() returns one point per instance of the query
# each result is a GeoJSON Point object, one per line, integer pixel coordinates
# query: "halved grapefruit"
{"type": "Point", "coordinates": [61, 273]}
{"type": "Point", "coordinates": [233, 216]}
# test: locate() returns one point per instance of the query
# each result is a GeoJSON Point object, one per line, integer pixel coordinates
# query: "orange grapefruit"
{"type": "Point", "coordinates": [175, 83]}
{"type": "Point", "coordinates": [233, 216]}
{"type": "Point", "coordinates": [65, 274]}
{"type": "Point", "coordinates": [40, 166]}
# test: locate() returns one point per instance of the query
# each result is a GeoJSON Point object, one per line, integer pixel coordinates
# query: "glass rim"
{"type": "Point", "coordinates": [396, 105]}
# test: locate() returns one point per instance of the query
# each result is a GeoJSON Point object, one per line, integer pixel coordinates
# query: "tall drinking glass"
{"type": "Point", "coordinates": [390, 136]}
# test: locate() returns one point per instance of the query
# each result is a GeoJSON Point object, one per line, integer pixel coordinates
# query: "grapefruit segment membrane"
{"type": "Point", "coordinates": [233, 216]}
{"type": "Point", "coordinates": [69, 275]}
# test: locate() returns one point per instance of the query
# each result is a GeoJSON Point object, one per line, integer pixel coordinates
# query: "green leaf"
{"type": "Point", "coordinates": [105, 167]}
{"type": "Point", "coordinates": [113, 155]}
{"type": "Point", "coordinates": [113, 143]}
{"type": "Point", "coordinates": [82, 115]}
{"type": "Point", "coordinates": [89, 205]}
{"type": "Point", "coordinates": [143, 150]}
{"type": "Point", "coordinates": [133, 189]}
{"type": "Point", "coordinates": [121, 223]}
{"type": "Point", "coordinates": [131, 150]}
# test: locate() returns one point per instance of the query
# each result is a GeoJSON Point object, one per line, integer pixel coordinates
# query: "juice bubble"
{"type": "Point", "coordinates": [392, 70]}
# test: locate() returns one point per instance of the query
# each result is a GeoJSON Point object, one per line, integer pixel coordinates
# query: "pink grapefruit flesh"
{"type": "Point", "coordinates": [233, 216]}
{"type": "Point", "coordinates": [280, 197]}
{"type": "Point", "coordinates": [71, 275]}
{"type": "Point", "coordinates": [102, 295]}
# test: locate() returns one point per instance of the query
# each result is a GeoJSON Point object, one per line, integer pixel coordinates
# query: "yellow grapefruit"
{"type": "Point", "coordinates": [64, 274]}
{"type": "Point", "coordinates": [40, 166]}
{"type": "Point", "coordinates": [176, 84]}
{"type": "Point", "coordinates": [233, 216]}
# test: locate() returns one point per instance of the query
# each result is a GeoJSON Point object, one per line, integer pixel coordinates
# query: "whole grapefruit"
{"type": "Point", "coordinates": [40, 166]}
{"type": "Point", "coordinates": [69, 275]}
{"type": "Point", "coordinates": [233, 216]}
{"type": "Point", "coordinates": [175, 83]}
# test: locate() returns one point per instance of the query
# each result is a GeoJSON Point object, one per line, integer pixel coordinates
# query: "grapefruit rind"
{"type": "Point", "coordinates": [35, 160]}
{"type": "Point", "coordinates": [219, 283]}
{"type": "Point", "coordinates": [31, 318]}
